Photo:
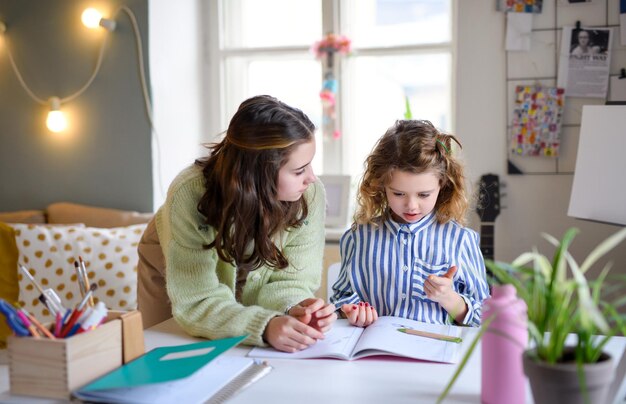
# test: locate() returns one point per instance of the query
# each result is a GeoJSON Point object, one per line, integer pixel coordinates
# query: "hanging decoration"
{"type": "Point", "coordinates": [325, 51]}
{"type": "Point", "coordinates": [91, 18]}
{"type": "Point", "coordinates": [407, 108]}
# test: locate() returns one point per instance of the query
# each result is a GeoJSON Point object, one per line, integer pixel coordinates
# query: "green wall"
{"type": "Point", "coordinates": [104, 158]}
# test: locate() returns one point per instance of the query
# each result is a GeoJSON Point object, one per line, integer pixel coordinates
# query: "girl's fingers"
{"type": "Point", "coordinates": [433, 280]}
{"type": "Point", "coordinates": [450, 273]}
{"type": "Point", "coordinates": [347, 309]}
{"type": "Point", "coordinates": [353, 315]}
{"type": "Point", "coordinates": [308, 333]}
{"type": "Point", "coordinates": [326, 324]}
{"type": "Point", "coordinates": [360, 315]}
{"type": "Point", "coordinates": [291, 346]}
{"type": "Point", "coordinates": [427, 288]}
{"type": "Point", "coordinates": [439, 281]}
{"type": "Point", "coordinates": [298, 311]}
{"type": "Point", "coordinates": [312, 304]}
{"type": "Point", "coordinates": [325, 311]}
{"type": "Point", "coordinates": [363, 313]}
{"type": "Point", "coordinates": [368, 316]}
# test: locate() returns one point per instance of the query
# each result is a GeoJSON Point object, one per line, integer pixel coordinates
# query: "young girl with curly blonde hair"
{"type": "Point", "coordinates": [407, 253]}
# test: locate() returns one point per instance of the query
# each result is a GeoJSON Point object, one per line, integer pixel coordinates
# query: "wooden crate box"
{"type": "Point", "coordinates": [54, 368]}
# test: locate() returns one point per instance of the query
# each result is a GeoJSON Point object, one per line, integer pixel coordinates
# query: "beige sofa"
{"type": "Point", "coordinates": [67, 213]}
{"type": "Point", "coordinates": [48, 241]}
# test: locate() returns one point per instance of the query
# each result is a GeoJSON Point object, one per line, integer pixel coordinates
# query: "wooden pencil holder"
{"type": "Point", "coordinates": [54, 368]}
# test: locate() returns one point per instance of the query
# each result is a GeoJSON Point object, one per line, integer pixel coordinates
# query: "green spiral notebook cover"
{"type": "Point", "coordinates": [164, 364]}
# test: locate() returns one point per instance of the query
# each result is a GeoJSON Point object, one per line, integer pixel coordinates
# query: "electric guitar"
{"type": "Point", "coordinates": [488, 208]}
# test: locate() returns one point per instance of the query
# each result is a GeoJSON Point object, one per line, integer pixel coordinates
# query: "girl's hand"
{"type": "Point", "coordinates": [360, 315]}
{"type": "Point", "coordinates": [316, 313]}
{"type": "Point", "coordinates": [287, 334]}
{"type": "Point", "coordinates": [439, 288]}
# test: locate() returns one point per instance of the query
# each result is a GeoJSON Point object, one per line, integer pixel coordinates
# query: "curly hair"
{"type": "Point", "coordinates": [414, 146]}
{"type": "Point", "coordinates": [241, 179]}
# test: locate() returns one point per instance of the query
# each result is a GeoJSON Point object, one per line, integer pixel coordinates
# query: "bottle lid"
{"type": "Point", "coordinates": [503, 291]}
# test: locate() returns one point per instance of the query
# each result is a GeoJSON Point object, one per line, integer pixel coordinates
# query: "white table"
{"type": "Point", "coordinates": [370, 380]}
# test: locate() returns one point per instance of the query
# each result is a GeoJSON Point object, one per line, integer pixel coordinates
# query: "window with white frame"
{"type": "Point", "coordinates": [401, 50]}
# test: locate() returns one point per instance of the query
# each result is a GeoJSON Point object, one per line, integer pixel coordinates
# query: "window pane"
{"type": "Point", "coordinates": [269, 23]}
{"type": "Point", "coordinates": [375, 90]}
{"type": "Point", "coordinates": [385, 23]}
{"type": "Point", "coordinates": [296, 82]}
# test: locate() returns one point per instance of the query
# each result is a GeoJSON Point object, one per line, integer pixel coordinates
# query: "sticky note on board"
{"type": "Point", "coordinates": [518, 31]}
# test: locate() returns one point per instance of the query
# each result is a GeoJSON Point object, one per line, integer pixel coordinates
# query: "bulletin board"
{"type": "Point", "coordinates": [539, 66]}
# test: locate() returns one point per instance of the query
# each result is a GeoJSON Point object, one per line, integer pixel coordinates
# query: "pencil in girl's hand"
{"type": "Point", "coordinates": [441, 337]}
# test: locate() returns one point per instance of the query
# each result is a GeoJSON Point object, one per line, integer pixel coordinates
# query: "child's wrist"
{"type": "Point", "coordinates": [453, 303]}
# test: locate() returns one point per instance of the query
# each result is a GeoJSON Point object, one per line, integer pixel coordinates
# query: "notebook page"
{"type": "Point", "coordinates": [384, 336]}
{"type": "Point", "coordinates": [339, 342]}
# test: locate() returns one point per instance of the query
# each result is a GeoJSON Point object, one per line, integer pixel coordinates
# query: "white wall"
{"type": "Point", "coordinates": [534, 203]}
{"type": "Point", "coordinates": [177, 84]}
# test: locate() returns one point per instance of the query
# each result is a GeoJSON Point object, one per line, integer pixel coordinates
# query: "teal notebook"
{"type": "Point", "coordinates": [191, 373]}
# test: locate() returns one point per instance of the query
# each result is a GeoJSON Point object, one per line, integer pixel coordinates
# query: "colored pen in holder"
{"type": "Point", "coordinates": [48, 296]}
{"type": "Point", "coordinates": [71, 325]}
{"type": "Point", "coordinates": [82, 272]}
{"type": "Point", "coordinates": [13, 319]}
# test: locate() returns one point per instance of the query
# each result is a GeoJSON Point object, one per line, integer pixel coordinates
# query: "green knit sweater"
{"type": "Point", "coordinates": [201, 286]}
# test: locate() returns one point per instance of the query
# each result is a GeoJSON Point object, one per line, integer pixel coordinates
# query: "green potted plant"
{"type": "Point", "coordinates": [561, 302]}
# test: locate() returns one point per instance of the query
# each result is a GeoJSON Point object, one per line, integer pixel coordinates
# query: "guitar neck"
{"type": "Point", "coordinates": [486, 239]}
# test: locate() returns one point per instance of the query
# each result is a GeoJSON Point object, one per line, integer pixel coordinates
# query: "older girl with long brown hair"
{"type": "Point", "coordinates": [237, 246]}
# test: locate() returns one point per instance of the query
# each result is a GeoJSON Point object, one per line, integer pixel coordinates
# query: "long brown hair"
{"type": "Point", "coordinates": [241, 178]}
{"type": "Point", "coordinates": [413, 146]}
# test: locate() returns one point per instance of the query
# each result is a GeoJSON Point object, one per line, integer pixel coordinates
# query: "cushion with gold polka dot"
{"type": "Point", "coordinates": [49, 253]}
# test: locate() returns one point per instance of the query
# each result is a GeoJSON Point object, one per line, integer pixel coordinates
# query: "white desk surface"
{"type": "Point", "coordinates": [370, 380]}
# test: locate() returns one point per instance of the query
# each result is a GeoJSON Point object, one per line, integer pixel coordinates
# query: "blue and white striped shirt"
{"type": "Point", "coordinates": [387, 265]}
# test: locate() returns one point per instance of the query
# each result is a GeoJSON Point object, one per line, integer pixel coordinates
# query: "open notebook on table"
{"type": "Point", "coordinates": [384, 337]}
{"type": "Point", "coordinates": [191, 373]}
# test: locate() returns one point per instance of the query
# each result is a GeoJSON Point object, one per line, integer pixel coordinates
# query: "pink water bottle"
{"type": "Point", "coordinates": [502, 346]}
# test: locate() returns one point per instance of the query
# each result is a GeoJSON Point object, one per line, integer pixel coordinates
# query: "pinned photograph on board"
{"type": "Point", "coordinates": [584, 61]}
{"type": "Point", "coordinates": [589, 42]}
{"type": "Point", "coordinates": [519, 6]}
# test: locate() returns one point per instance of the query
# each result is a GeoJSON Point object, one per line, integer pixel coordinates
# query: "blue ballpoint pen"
{"type": "Point", "coordinates": [13, 320]}
{"type": "Point", "coordinates": [73, 330]}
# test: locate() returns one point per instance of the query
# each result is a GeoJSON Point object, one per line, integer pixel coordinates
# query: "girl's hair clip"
{"type": "Point", "coordinates": [444, 146]}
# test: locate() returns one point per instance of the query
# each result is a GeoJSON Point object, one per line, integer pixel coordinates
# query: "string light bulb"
{"type": "Point", "coordinates": [56, 120]}
{"type": "Point", "coordinates": [92, 18]}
